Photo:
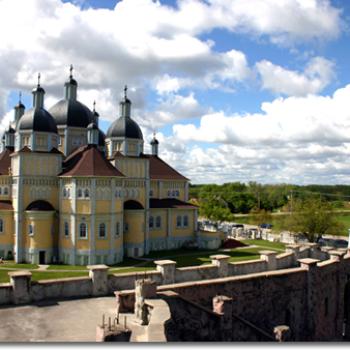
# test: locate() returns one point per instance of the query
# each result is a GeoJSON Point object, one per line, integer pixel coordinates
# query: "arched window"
{"type": "Point", "coordinates": [185, 219]}
{"type": "Point", "coordinates": [80, 193]}
{"type": "Point", "coordinates": [1, 226]}
{"type": "Point", "coordinates": [158, 222]}
{"type": "Point", "coordinates": [177, 193]}
{"type": "Point", "coordinates": [173, 193]}
{"type": "Point", "coordinates": [102, 230]}
{"type": "Point", "coordinates": [116, 193]}
{"type": "Point", "coordinates": [151, 193]}
{"type": "Point", "coordinates": [117, 228]}
{"type": "Point", "coordinates": [178, 221]}
{"type": "Point", "coordinates": [83, 230]}
{"type": "Point", "coordinates": [66, 229]}
{"type": "Point", "coordinates": [169, 193]}
{"type": "Point", "coordinates": [64, 192]}
{"type": "Point", "coordinates": [30, 230]}
{"type": "Point", "coordinates": [151, 222]}
{"type": "Point", "coordinates": [126, 227]}
{"type": "Point", "coordinates": [6, 191]}
{"type": "Point", "coordinates": [86, 193]}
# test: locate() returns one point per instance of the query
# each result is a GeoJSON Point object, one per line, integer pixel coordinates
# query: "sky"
{"type": "Point", "coordinates": [235, 90]}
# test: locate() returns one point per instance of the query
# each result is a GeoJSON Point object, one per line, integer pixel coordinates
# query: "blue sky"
{"type": "Point", "coordinates": [235, 90]}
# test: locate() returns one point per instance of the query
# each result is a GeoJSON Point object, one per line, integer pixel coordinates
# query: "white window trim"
{"type": "Point", "coordinates": [87, 231]}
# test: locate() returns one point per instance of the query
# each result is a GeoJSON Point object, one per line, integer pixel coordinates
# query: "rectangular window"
{"type": "Point", "coordinates": [178, 221]}
{"type": "Point", "coordinates": [98, 259]}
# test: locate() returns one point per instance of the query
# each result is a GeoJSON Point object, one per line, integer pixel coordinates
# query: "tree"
{"type": "Point", "coordinates": [314, 217]}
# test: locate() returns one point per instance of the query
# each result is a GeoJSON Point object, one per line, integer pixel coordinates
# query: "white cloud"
{"type": "Point", "coordinates": [294, 139]}
{"type": "Point", "coordinates": [317, 75]}
{"type": "Point", "coordinates": [140, 40]}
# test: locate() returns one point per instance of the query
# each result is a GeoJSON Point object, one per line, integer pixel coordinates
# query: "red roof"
{"type": "Point", "coordinates": [5, 161]}
{"type": "Point", "coordinates": [89, 161]}
{"type": "Point", "coordinates": [159, 170]}
{"type": "Point", "coordinates": [6, 205]}
{"type": "Point", "coordinates": [170, 203]}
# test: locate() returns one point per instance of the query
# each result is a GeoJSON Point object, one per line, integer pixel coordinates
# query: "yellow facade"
{"type": "Point", "coordinates": [57, 215]}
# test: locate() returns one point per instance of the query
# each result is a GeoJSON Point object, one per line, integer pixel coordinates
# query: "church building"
{"type": "Point", "coordinates": [71, 194]}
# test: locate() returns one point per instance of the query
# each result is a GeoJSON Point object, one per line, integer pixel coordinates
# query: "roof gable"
{"type": "Point", "coordinates": [89, 161]}
{"type": "Point", "coordinates": [159, 170]}
{"type": "Point", "coordinates": [5, 161]}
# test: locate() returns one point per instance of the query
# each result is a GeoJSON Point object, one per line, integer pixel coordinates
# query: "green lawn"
{"type": "Point", "coordinates": [66, 267]}
{"type": "Point", "coordinates": [183, 258]}
{"type": "Point", "coordinates": [265, 244]}
{"type": "Point", "coordinates": [279, 222]}
{"type": "Point", "coordinates": [12, 264]}
{"type": "Point", "coordinates": [42, 275]}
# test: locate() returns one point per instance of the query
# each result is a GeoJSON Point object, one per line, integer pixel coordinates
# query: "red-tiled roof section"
{"type": "Point", "coordinates": [170, 203]}
{"type": "Point", "coordinates": [6, 205]}
{"type": "Point", "coordinates": [5, 161]}
{"type": "Point", "coordinates": [89, 161]}
{"type": "Point", "coordinates": [159, 170]}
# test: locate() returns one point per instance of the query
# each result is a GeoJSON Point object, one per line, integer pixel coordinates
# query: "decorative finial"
{"type": "Point", "coordinates": [94, 108]}
{"type": "Point", "coordinates": [154, 134]}
{"type": "Point", "coordinates": [125, 91]}
{"type": "Point", "coordinates": [71, 71]}
{"type": "Point", "coordinates": [39, 79]}
{"type": "Point", "coordinates": [20, 97]}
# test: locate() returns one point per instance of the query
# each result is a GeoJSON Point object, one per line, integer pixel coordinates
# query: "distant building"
{"type": "Point", "coordinates": [69, 193]}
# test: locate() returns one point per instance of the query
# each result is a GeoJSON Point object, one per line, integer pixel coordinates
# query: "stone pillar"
{"type": "Point", "coordinates": [168, 270]}
{"type": "Point", "coordinates": [270, 257]}
{"type": "Point", "coordinates": [221, 261]}
{"type": "Point", "coordinates": [313, 303]}
{"type": "Point", "coordinates": [21, 282]}
{"type": "Point", "coordinates": [336, 255]}
{"type": "Point", "coordinates": [222, 305]}
{"type": "Point", "coordinates": [144, 289]}
{"type": "Point", "coordinates": [314, 250]}
{"type": "Point", "coordinates": [282, 333]}
{"type": "Point", "coordinates": [293, 248]}
{"type": "Point", "coordinates": [99, 276]}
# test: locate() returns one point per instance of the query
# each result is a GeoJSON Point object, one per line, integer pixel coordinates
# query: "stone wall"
{"type": "Point", "coordinates": [309, 299]}
{"type": "Point", "coordinates": [100, 282]}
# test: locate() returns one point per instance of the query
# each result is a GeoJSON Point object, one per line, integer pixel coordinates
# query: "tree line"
{"type": "Point", "coordinates": [312, 206]}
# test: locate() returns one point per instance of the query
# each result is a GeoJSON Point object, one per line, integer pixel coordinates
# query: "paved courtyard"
{"type": "Point", "coordinates": [70, 321]}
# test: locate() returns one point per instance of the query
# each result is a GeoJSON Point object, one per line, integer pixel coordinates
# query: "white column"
{"type": "Point", "coordinates": [73, 221]}
{"type": "Point", "coordinates": [112, 224]}
{"type": "Point", "coordinates": [92, 221]}
{"type": "Point", "coordinates": [65, 146]}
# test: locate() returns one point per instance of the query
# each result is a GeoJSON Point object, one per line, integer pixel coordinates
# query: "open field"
{"type": "Point", "coordinates": [183, 257]}
{"type": "Point", "coordinates": [279, 221]}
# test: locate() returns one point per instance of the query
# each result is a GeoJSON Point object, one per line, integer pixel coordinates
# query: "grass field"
{"type": "Point", "coordinates": [183, 258]}
{"type": "Point", "coordinates": [279, 222]}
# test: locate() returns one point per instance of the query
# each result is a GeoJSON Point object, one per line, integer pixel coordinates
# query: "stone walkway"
{"type": "Point", "coordinates": [62, 321]}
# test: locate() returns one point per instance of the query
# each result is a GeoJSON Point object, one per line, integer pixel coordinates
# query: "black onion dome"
{"type": "Point", "coordinates": [101, 138]}
{"type": "Point", "coordinates": [154, 141]}
{"type": "Point", "coordinates": [72, 81]}
{"type": "Point", "coordinates": [37, 120]}
{"type": "Point", "coordinates": [92, 126]}
{"type": "Point", "coordinates": [20, 105]}
{"type": "Point", "coordinates": [125, 127]}
{"type": "Point", "coordinates": [71, 113]}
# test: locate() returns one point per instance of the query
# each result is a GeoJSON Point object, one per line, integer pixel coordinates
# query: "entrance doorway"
{"type": "Point", "coordinates": [42, 259]}
{"type": "Point", "coordinates": [136, 252]}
